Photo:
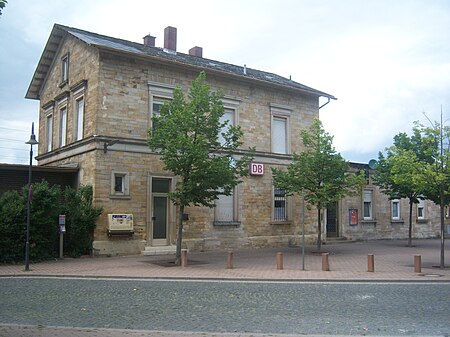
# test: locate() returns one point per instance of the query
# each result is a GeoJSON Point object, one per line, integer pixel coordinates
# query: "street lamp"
{"type": "Point", "coordinates": [32, 142]}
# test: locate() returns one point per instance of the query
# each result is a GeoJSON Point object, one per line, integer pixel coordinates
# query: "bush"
{"type": "Point", "coordinates": [46, 205]}
{"type": "Point", "coordinates": [80, 220]}
{"type": "Point", "coordinates": [12, 227]}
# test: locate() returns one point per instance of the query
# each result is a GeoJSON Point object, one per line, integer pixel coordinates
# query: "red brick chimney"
{"type": "Point", "coordinates": [196, 51]}
{"type": "Point", "coordinates": [170, 38]}
{"type": "Point", "coordinates": [149, 40]}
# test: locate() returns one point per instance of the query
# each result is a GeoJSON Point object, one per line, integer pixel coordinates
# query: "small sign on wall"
{"type": "Point", "coordinates": [256, 169]}
{"type": "Point", "coordinates": [353, 216]}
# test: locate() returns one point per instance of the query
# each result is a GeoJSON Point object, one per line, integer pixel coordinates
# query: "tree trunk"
{"type": "Point", "coordinates": [319, 230]}
{"type": "Point", "coordinates": [179, 237]}
{"type": "Point", "coordinates": [410, 223]}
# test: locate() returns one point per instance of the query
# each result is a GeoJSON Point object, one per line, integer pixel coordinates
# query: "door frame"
{"type": "Point", "coordinates": [170, 211]}
{"type": "Point", "coordinates": [337, 221]}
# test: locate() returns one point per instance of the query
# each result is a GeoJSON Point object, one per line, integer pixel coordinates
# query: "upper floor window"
{"type": "Point", "coordinates": [65, 69]}
{"type": "Point", "coordinates": [367, 205]}
{"type": "Point", "coordinates": [159, 93]}
{"type": "Point", "coordinates": [280, 128]}
{"type": "Point", "coordinates": [228, 116]}
{"type": "Point", "coordinates": [395, 207]}
{"type": "Point", "coordinates": [62, 126]}
{"type": "Point", "coordinates": [49, 132]}
{"type": "Point", "coordinates": [158, 102]}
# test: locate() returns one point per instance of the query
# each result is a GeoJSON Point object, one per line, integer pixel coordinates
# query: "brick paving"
{"type": "Point", "coordinates": [394, 261]}
{"type": "Point", "coordinates": [348, 261]}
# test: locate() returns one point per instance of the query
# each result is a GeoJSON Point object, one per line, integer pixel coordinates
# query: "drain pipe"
{"type": "Point", "coordinates": [320, 107]}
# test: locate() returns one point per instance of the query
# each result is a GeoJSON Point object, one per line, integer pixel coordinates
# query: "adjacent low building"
{"type": "Point", "coordinates": [97, 97]}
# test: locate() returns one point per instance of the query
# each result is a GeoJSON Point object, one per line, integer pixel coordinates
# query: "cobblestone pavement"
{"type": "Point", "coordinates": [354, 308]}
{"type": "Point", "coordinates": [348, 262]}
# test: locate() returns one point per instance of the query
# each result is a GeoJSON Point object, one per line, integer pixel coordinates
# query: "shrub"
{"type": "Point", "coordinates": [46, 205]}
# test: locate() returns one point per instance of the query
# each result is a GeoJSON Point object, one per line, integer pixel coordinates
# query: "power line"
{"type": "Point", "coordinates": [12, 148]}
{"type": "Point", "coordinates": [12, 129]}
{"type": "Point", "coordinates": [12, 140]}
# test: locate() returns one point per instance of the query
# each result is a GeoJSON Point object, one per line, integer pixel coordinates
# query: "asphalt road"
{"type": "Point", "coordinates": [325, 308]}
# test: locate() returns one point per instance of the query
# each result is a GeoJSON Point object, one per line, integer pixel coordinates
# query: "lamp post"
{"type": "Point", "coordinates": [32, 142]}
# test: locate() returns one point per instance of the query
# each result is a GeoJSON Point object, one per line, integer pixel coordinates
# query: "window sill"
{"type": "Point", "coordinates": [397, 222]}
{"type": "Point", "coordinates": [63, 84]}
{"type": "Point", "coordinates": [369, 222]}
{"type": "Point", "coordinates": [116, 196]}
{"type": "Point", "coordinates": [286, 222]}
{"type": "Point", "coordinates": [227, 223]}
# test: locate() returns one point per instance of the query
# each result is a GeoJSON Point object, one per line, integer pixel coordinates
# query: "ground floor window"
{"type": "Point", "coordinates": [280, 211]}
{"type": "Point", "coordinates": [120, 184]}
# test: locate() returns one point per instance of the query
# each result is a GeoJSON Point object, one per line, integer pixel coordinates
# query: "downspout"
{"type": "Point", "coordinates": [320, 107]}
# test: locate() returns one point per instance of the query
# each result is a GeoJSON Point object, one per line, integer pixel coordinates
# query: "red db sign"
{"type": "Point", "coordinates": [256, 169]}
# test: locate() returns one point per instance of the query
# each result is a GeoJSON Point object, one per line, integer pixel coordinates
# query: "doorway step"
{"type": "Point", "coordinates": [159, 250]}
{"type": "Point", "coordinates": [333, 240]}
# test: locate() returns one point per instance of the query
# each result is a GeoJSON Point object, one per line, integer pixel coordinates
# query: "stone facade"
{"type": "Point", "coordinates": [119, 90]}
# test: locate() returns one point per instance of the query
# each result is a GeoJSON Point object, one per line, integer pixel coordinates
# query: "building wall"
{"type": "Point", "coordinates": [119, 92]}
{"type": "Point", "coordinates": [383, 225]}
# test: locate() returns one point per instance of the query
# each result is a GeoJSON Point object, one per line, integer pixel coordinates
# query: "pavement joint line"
{"type": "Point", "coordinates": [229, 280]}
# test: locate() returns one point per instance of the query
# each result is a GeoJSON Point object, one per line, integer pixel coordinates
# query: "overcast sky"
{"type": "Point", "coordinates": [387, 62]}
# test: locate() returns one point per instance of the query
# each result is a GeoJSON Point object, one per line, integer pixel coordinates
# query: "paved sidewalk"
{"type": "Point", "coordinates": [394, 261]}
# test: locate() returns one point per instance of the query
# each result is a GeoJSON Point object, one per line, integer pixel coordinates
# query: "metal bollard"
{"type": "Point", "coordinates": [279, 261]}
{"type": "Point", "coordinates": [417, 263]}
{"type": "Point", "coordinates": [325, 262]}
{"type": "Point", "coordinates": [184, 258]}
{"type": "Point", "coordinates": [370, 263]}
{"type": "Point", "coordinates": [230, 259]}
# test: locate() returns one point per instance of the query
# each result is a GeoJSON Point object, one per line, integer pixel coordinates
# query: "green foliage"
{"type": "Point", "coordinates": [12, 226]}
{"type": "Point", "coordinates": [80, 220]}
{"type": "Point", "coordinates": [44, 232]}
{"type": "Point", "coordinates": [187, 138]}
{"type": "Point", "coordinates": [44, 216]}
{"type": "Point", "coordinates": [319, 172]}
{"type": "Point", "coordinates": [2, 5]}
{"type": "Point", "coordinates": [198, 147]}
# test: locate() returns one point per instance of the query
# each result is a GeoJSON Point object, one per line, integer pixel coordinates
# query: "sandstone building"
{"type": "Point", "coordinates": [97, 96]}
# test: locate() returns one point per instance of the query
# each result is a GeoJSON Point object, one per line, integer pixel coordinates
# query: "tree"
{"type": "Point", "coordinates": [438, 171]}
{"type": "Point", "coordinates": [401, 173]}
{"type": "Point", "coordinates": [320, 172]}
{"type": "Point", "coordinates": [198, 148]}
{"type": "Point", "coordinates": [2, 5]}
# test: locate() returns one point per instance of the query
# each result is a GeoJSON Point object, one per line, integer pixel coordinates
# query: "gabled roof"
{"type": "Point", "coordinates": [118, 45]}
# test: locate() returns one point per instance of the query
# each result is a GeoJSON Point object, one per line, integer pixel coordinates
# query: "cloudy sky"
{"type": "Point", "coordinates": [387, 62]}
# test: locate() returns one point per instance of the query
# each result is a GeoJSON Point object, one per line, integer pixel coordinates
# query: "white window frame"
{"type": "Point", "coordinates": [49, 130]}
{"type": "Point", "coordinates": [280, 113]}
{"type": "Point", "coordinates": [231, 107]}
{"type": "Point", "coordinates": [395, 209]}
{"type": "Point", "coordinates": [368, 198]}
{"type": "Point", "coordinates": [158, 93]}
{"type": "Point", "coordinates": [421, 206]}
{"type": "Point", "coordinates": [65, 69]}
{"type": "Point", "coordinates": [79, 100]}
{"type": "Point", "coordinates": [125, 186]}
{"type": "Point", "coordinates": [277, 197]}
{"type": "Point", "coordinates": [235, 216]}
{"type": "Point", "coordinates": [62, 122]}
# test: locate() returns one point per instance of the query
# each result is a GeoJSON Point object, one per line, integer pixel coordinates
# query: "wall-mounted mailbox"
{"type": "Point", "coordinates": [120, 224]}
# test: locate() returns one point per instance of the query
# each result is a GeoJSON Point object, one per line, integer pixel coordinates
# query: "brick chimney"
{"type": "Point", "coordinates": [149, 40]}
{"type": "Point", "coordinates": [170, 38]}
{"type": "Point", "coordinates": [196, 51]}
